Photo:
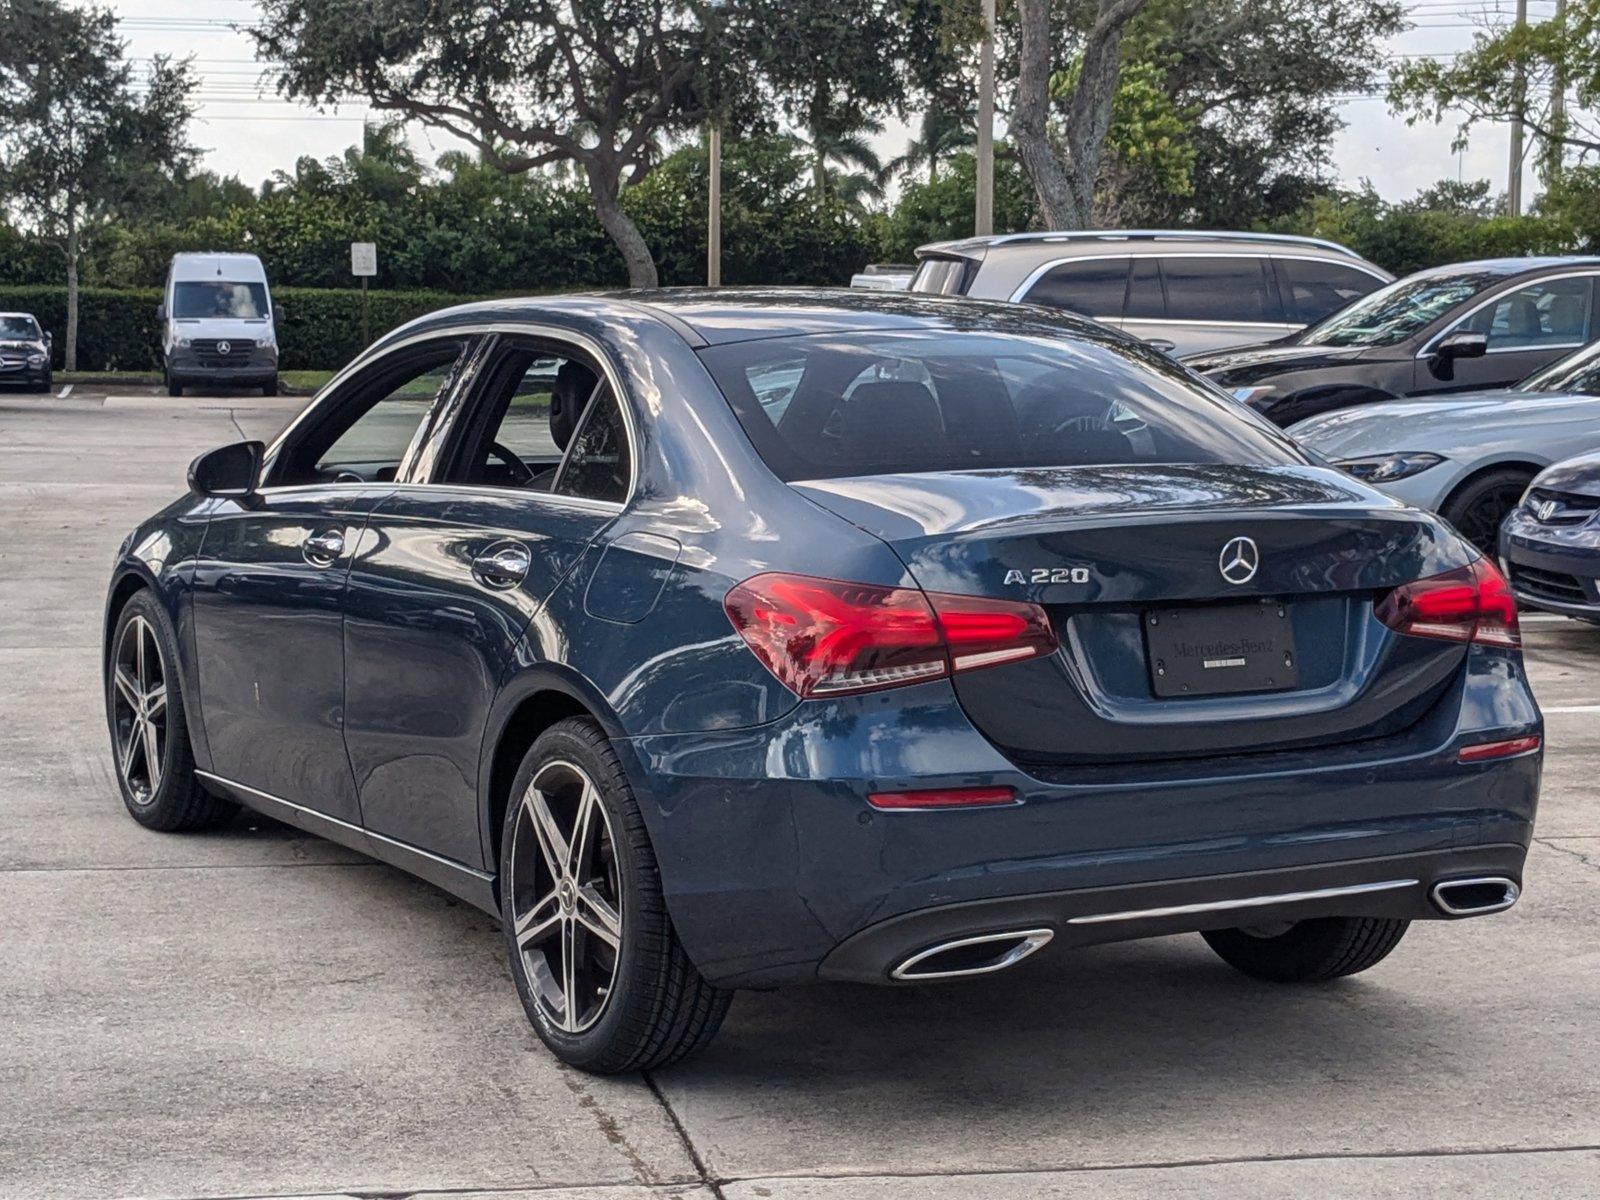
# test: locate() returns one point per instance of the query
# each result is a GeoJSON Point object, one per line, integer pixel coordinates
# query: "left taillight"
{"type": "Point", "coordinates": [828, 637]}
{"type": "Point", "coordinates": [1469, 604]}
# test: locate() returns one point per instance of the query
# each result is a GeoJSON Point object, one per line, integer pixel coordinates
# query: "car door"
{"type": "Point", "coordinates": [1527, 326]}
{"type": "Point", "coordinates": [1091, 287]}
{"type": "Point", "coordinates": [1217, 300]}
{"type": "Point", "coordinates": [451, 570]}
{"type": "Point", "coordinates": [270, 578]}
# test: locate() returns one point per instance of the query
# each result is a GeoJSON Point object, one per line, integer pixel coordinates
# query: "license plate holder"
{"type": "Point", "coordinates": [1220, 650]}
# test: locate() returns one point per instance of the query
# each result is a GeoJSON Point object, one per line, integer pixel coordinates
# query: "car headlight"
{"type": "Point", "coordinates": [183, 343]}
{"type": "Point", "coordinates": [1386, 468]}
{"type": "Point", "coordinates": [36, 360]}
{"type": "Point", "coordinates": [1253, 396]}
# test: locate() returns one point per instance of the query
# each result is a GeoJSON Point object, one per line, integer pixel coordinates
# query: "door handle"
{"type": "Point", "coordinates": [503, 565]}
{"type": "Point", "coordinates": [324, 548]}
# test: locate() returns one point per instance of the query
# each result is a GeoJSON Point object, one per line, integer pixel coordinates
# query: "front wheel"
{"type": "Point", "coordinates": [1480, 507]}
{"type": "Point", "coordinates": [271, 388]}
{"type": "Point", "coordinates": [597, 963]}
{"type": "Point", "coordinates": [1308, 951]}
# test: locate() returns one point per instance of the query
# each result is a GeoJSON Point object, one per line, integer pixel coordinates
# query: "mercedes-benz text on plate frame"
{"type": "Point", "coordinates": [704, 581]}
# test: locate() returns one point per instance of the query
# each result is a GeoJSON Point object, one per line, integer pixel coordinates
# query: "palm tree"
{"type": "Point", "coordinates": [940, 135]}
{"type": "Point", "coordinates": [843, 161]}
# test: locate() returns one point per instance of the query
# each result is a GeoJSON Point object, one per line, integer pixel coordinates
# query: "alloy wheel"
{"type": "Point", "coordinates": [566, 896]}
{"type": "Point", "coordinates": [1480, 524]}
{"type": "Point", "coordinates": [139, 709]}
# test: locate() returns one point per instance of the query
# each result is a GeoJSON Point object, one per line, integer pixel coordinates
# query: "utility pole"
{"type": "Point", "coordinates": [714, 212]}
{"type": "Point", "coordinates": [1558, 107]}
{"type": "Point", "coordinates": [983, 222]}
{"type": "Point", "coordinates": [1519, 92]}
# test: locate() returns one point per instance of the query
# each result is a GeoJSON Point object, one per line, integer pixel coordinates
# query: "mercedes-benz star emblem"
{"type": "Point", "coordinates": [1239, 560]}
{"type": "Point", "coordinates": [224, 347]}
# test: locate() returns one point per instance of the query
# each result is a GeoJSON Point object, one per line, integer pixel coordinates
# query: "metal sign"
{"type": "Point", "coordinates": [363, 258]}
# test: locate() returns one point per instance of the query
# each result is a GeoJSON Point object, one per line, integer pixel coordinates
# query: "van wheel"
{"type": "Point", "coordinates": [1308, 951]}
{"type": "Point", "coordinates": [270, 389]}
{"type": "Point", "coordinates": [597, 963]}
{"type": "Point", "coordinates": [174, 388]}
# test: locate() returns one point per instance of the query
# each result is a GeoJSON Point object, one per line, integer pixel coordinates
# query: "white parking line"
{"type": "Point", "coordinates": [65, 391]}
{"type": "Point", "coordinates": [1570, 708]}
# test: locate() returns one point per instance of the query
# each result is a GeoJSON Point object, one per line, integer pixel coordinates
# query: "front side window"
{"type": "Point", "coordinates": [196, 299]}
{"type": "Point", "coordinates": [1554, 312]}
{"type": "Point", "coordinates": [1092, 287]}
{"type": "Point", "coordinates": [1402, 310]}
{"type": "Point", "coordinates": [877, 404]}
{"type": "Point", "coordinates": [1220, 289]}
{"type": "Point", "coordinates": [1313, 288]}
{"type": "Point", "coordinates": [369, 425]}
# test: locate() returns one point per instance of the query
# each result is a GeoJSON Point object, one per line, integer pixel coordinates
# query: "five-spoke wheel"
{"type": "Point", "coordinates": [139, 709]}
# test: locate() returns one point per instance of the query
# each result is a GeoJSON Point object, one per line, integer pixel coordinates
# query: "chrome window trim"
{"type": "Point", "coordinates": [554, 333]}
{"type": "Point", "coordinates": [1184, 910]}
{"type": "Point", "coordinates": [1286, 325]}
{"type": "Point", "coordinates": [1517, 285]}
{"type": "Point", "coordinates": [1022, 289]}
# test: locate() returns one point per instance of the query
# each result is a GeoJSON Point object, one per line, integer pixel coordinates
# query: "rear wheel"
{"type": "Point", "coordinates": [1479, 507]}
{"type": "Point", "coordinates": [270, 389]}
{"type": "Point", "coordinates": [149, 739]}
{"type": "Point", "coordinates": [1308, 951]}
{"type": "Point", "coordinates": [597, 963]}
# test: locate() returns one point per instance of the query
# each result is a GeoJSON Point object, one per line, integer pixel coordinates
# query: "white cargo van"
{"type": "Point", "coordinates": [218, 326]}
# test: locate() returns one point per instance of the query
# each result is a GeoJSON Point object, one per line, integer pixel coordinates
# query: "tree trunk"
{"type": "Point", "coordinates": [605, 186]}
{"type": "Point", "coordinates": [1066, 188]}
{"type": "Point", "coordinates": [819, 173]}
{"type": "Point", "coordinates": [70, 357]}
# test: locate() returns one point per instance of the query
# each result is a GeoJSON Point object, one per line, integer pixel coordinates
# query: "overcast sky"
{"type": "Point", "coordinates": [247, 132]}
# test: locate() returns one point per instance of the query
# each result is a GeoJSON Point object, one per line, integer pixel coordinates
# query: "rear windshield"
{"type": "Point", "coordinates": [219, 298]}
{"type": "Point", "coordinates": [941, 277]}
{"type": "Point", "coordinates": [827, 405]}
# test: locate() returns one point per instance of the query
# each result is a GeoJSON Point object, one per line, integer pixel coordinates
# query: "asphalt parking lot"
{"type": "Point", "coordinates": [259, 1013]}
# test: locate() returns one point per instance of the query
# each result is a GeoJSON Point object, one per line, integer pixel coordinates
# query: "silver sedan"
{"type": "Point", "coordinates": [1470, 456]}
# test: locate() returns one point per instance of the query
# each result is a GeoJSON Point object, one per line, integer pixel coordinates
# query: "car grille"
{"type": "Point", "coordinates": [1561, 508]}
{"type": "Point", "coordinates": [211, 353]}
{"type": "Point", "coordinates": [1547, 585]}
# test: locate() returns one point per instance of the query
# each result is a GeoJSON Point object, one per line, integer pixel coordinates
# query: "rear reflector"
{"type": "Point", "coordinates": [1506, 749]}
{"type": "Point", "coordinates": [944, 798]}
{"type": "Point", "coordinates": [1469, 604]}
{"type": "Point", "coordinates": [827, 637]}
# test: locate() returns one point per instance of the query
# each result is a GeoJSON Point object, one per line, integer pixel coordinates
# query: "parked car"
{"type": "Point", "coordinates": [1459, 328]}
{"type": "Point", "coordinates": [24, 351]}
{"type": "Point", "coordinates": [740, 639]}
{"type": "Point", "coordinates": [218, 324]}
{"type": "Point", "coordinates": [1181, 291]}
{"type": "Point", "coordinates": [883, 277]}
{"type": "Point", "coordinates": [1468, 457]}
{"type": "Point", "coordinates": [1550, 543]}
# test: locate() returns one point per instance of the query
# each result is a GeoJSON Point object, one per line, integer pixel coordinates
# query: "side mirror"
{"type": "Point", "coordinates": [1462, 343]}
{"type": "Point", "coordinates": [161, 312]}
{"type": "Point", "coordinates": [278, 315]}
{"type": "Point", "coordinates": [49, 338]}
{"type": "Point", "coordinates": [227, 471]}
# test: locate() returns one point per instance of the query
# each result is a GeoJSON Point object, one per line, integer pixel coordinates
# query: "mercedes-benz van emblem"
{"type": "Point", "coordinates": [1239, 560]}
{"type": "Point", "coordinates": [224, 347]}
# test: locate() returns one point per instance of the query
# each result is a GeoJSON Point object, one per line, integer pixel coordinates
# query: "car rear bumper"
{"type": "Point", "coordinates": [778, 870]}
{"type": "Point", "coordinates": [1552, 567]}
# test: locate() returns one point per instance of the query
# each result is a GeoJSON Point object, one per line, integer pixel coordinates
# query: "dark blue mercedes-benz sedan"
{"type": "Point", "coordinates": [739, 639]}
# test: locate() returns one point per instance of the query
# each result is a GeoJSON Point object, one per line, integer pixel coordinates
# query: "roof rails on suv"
{"type": "Point", "coordinates": [1128, 235]}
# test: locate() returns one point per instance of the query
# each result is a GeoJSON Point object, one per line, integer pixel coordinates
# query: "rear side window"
{"type": "Point", "coordinates": [1220, 289]}
{"type": "Point", "coordinates": [942, 277]}
{"type": "Point", "coordinates": [879, 404]}
{"type": "Point", "coordinates": [1146, 300]}
{"type": "Point", "coordinates": [597, 466]}
{"type": "Point", "coordinates": [1093, 287]}
{"type": "Point", "coordinates": [1312, 289]}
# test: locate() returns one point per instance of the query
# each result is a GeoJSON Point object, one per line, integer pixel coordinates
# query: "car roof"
{"type": "Point", "coordinates": [1055, 244]}
{"type": "Point", "coordinates": [1513, 266]}
{"type": "Point", "coordinates": [29, 315]}
{"type": "Point", "coordinates": [715, 316]}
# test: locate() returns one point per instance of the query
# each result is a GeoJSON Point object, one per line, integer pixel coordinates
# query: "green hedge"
{"type": "Point", "coordinates": [117, 330]}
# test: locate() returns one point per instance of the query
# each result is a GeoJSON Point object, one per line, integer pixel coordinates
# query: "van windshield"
{"type": "Point", "coordinates": [219, 298]}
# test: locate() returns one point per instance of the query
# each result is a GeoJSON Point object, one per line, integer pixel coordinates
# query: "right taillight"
{"type": "Point", "coordinates": [1469, 604]}
{"type": "Point", "coordinates": [829, 637]}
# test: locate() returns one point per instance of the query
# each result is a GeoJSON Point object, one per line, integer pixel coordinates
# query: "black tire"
{"type": "Point", "coordinates": [177, 802]}
{"type": "Point", "coordinates": [270, 389]}
{"type": "Point", "coordinates": [174, 388]}
{"type": "Point", "coordinates": [1478, 507]}
{"type": "Point", "coordinates": [1309, 951]}
{"type": "Point", "coordinates": [655, 1008]}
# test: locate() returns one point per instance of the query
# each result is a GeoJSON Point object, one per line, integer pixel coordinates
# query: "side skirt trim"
{"type": "Point", "coordinates": [474, 886]}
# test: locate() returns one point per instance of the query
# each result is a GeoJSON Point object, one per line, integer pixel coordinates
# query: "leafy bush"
{"type": "Point", "coordinates": [117, 330]}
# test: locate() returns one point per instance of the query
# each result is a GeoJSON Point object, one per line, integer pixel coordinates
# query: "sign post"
{"type": "Point", "coordinates": [364, 265]}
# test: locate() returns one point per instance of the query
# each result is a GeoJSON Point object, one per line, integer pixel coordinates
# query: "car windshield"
{"type": "Point", "coordinates": [219, 298]}
{"type": "Point", "coordinates": [19, 327]}
{"type": "Point", "coordinates": [1577, 372]}
{"type": "Point", "coordinates": [1404, 308]}
{"type": "Point", "coordinates": [825, 405]}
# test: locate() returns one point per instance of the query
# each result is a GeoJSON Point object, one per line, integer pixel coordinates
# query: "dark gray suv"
{"type": "Point", "coordinates": [1183, 292]}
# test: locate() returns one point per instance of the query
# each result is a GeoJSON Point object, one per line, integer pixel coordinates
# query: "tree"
{"type": "Point", "coordinates": [81, 143]}
{"type": "Point", "coordinates": [1510, 74]}
{"type": "Point", "coordinates": [940, 134]}
{"type": "Point", "coordinates": [1065, 178]}
{"type": "Point", "coordinates": [530, 83]}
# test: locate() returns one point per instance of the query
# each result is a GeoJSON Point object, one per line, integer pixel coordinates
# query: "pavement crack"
{"type": "Point", "coordinates": [610, 1127]}
{"type": "Point", "coordinates": [707, 1180]}
{"type": "Point", "coordinates": [1586, 859]}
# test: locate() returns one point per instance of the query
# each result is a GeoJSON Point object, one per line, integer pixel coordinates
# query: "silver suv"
{"type": "Point", "coordinates": [1183, 292]}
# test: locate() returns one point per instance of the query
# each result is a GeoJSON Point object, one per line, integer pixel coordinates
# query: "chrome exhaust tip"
{"type": "Point", "coordinates": [981, 955]}
{"type": "Point", "coordinates": [1475, 897]}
